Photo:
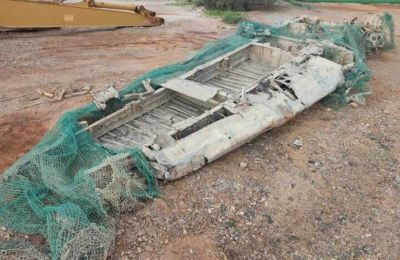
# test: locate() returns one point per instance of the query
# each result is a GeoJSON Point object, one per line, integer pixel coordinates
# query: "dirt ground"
{"type": "Point", "coordinates": [338, 196]}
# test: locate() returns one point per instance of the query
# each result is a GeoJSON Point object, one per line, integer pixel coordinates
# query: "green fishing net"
{"type": "Point", "coordinates": [57, 192]}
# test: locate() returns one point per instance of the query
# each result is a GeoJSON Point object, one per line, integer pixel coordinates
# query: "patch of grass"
{"type": "Point", "coordinates": [229, 17]}
{"type": "Point", "coordinates": [183, 3]}
{"type": "Point", "coordinates": [230, 224]}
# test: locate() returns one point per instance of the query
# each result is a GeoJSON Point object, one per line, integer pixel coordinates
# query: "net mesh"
{"type": "Point", "coordinates": [59, 192]}
{"type": "Point", "coordinates": [355, 1]}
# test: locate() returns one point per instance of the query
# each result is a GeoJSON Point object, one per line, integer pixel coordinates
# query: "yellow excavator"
{"type": "Point", "coordinates": [16, 14]}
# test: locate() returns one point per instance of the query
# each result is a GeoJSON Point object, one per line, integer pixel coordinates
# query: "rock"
{"type": "Point", "coordinates": [397, 181]}
{"type": "Point", "coordinates": [298, 143]}
{"type": "Point", "coordinates": [353, 104]}
{"type": "Point", "coordinates": [359, 99]}
{"type": "Point", "coordinates": [243, 165]}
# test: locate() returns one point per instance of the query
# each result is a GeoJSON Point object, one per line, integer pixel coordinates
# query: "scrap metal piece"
{"type": "Point", "coordinates": [376, 30]}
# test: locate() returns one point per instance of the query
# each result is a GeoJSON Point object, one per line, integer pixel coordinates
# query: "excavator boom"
{"type": "Point", "coordinates": [58, 13]}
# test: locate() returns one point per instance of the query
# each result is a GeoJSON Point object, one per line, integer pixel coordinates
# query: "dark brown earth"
{"type": "Point", "coordinates": [338, 196]}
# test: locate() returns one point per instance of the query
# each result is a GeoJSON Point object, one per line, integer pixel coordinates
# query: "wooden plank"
{"type": "Point", "coordinates": [113, 142]}
{"type": "Point", "coordinates": [227, 83]}
{"type": "Point", "coordinates": [246, 72]}
{"type": "Point", "coordinates": [180, 110]}
{"type": "Point", "coordinates": [233, 88]}
{"type": "Point", "coordinates": [215, 61]}
{"type": "Point", "coordinates": [130, 141]}
{"type": "Point", "coordinates": [185, 108]}
{"type": "Point", "coordinates": [157, 123]}
{"type": "Point", "coordinates": [161, 118]}
{"type": "Point", "coordinates": [162, 113]}
{"type": "Point", "coordinates": [129, 112]}
{"type": "Point", "coordinates": [237, 79]}
{"type": "Point", "coordinates": [225, 90]}
{"type": "Point", "coordinates": [192, 107]}
{"type": "Point", "coordinates": [252, 68]}
{"type": "Point", "coordinates": [134, 128]}
{"type": "Point", "coordinates": [174, 113]}
{"type": "Point", "coordinates": [241, 76]}
{"type": "Point", "coordinates": [216, 85]}
{"type": "Point", "coordinates": [258, 66]}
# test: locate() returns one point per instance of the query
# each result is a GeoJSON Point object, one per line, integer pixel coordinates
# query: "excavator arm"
{"type": "Point", "coordinates": [60, 13]}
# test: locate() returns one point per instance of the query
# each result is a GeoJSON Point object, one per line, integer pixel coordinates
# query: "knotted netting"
{"type": "Point", "coordinates": [56, 191]}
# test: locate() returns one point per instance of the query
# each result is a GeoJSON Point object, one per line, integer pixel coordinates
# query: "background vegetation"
{"type": "Point", "coordinates": [235, 5]}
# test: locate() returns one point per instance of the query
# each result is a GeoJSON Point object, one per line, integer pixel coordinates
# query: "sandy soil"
{"type": "Point", "coordinates": [337, 196]}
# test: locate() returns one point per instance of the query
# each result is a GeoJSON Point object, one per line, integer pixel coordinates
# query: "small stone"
{"type": "Point", "coordinates": [243, 165]}
{"type": "Point", "coordinates": [191, 251]}
{"type": "Point", "coordinates": [156, 147]}
{"type": "Point", "coordinates": [353, 104]}
{"type": "Point", "coordinates": [3, 228]}
{"type": "Point", "coordinates": [138, 250]}
{"type": "Point", "coordinates": [298, 143]}
{"type": "Point", "coordinates": [317, 164]}
{"type": "Point", "coordinates": [184, 232]}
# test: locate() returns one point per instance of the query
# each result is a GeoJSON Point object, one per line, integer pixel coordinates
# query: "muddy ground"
{"type": "Point", "coordinates": [336, 196]}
